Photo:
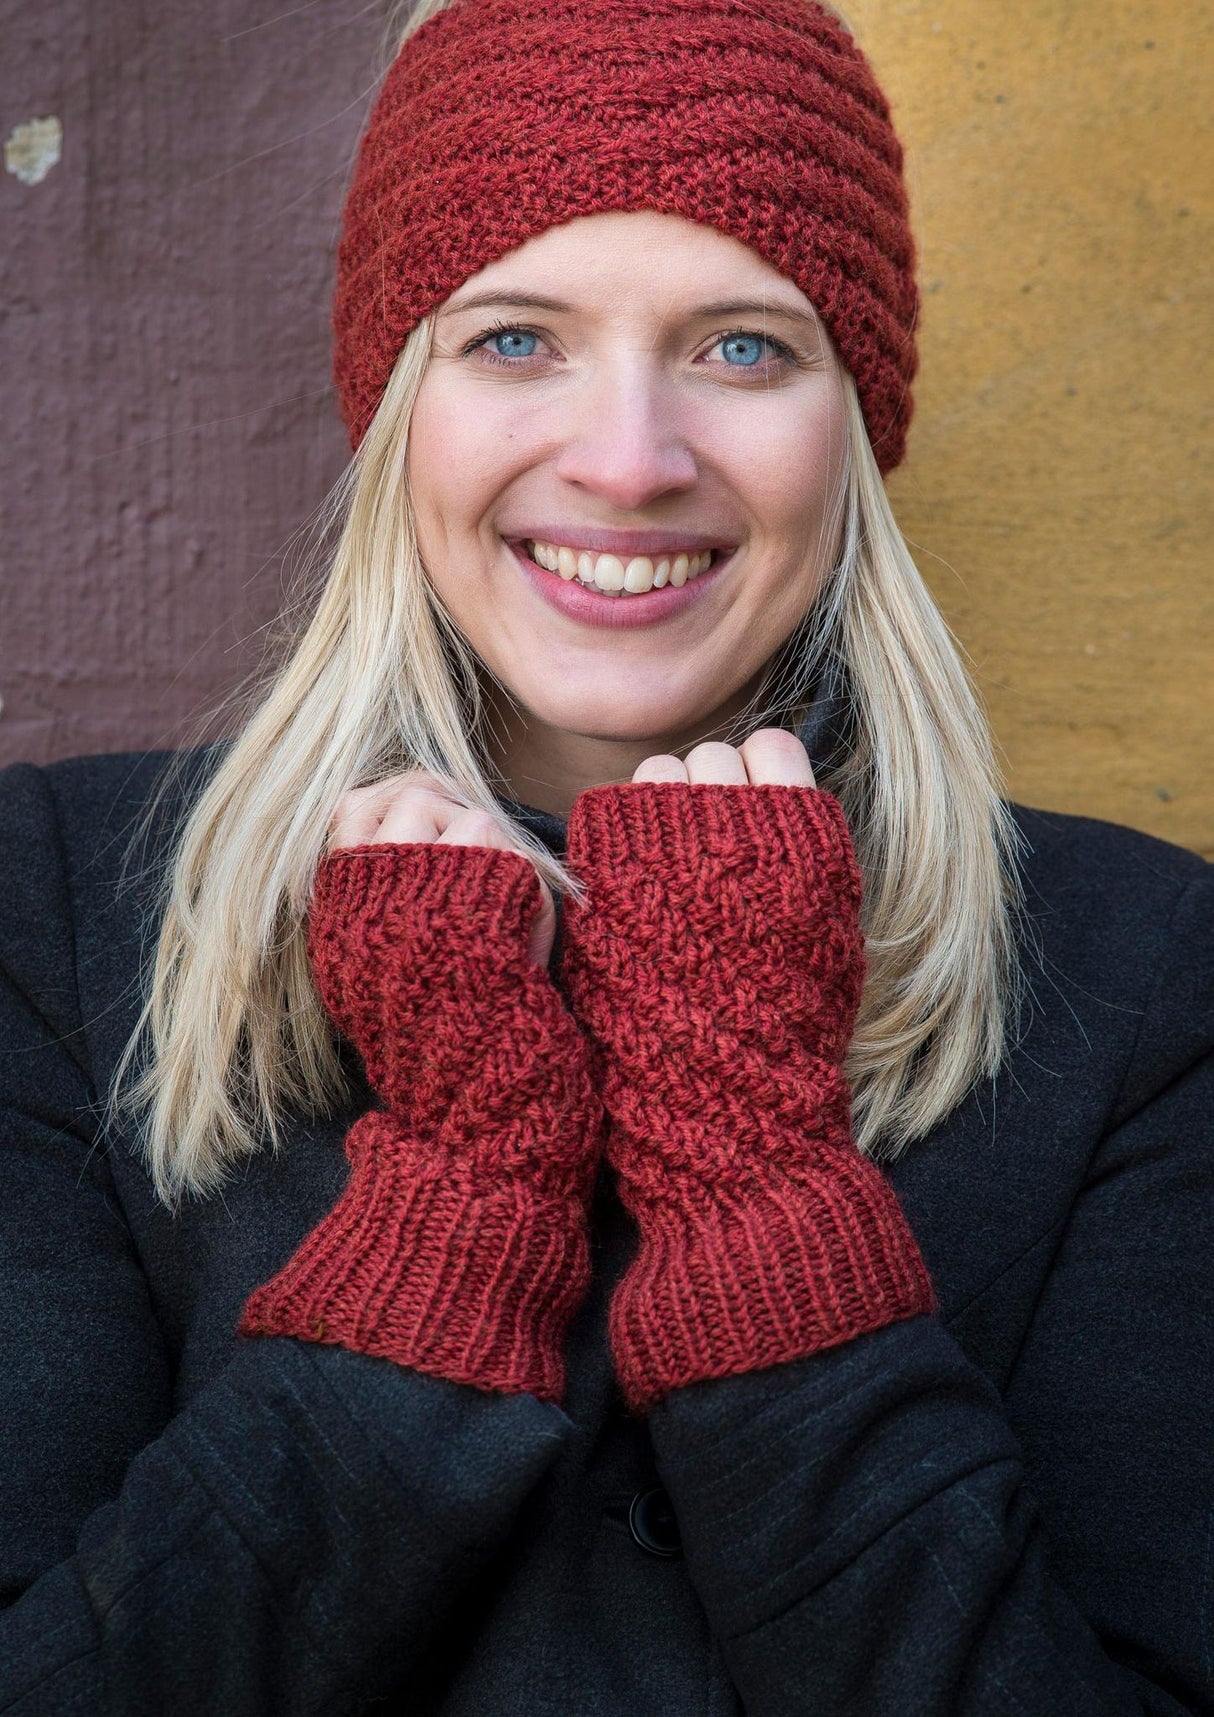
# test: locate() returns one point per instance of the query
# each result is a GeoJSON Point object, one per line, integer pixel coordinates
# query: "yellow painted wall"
{"type": "Point", "coordinates": [1057, 492]}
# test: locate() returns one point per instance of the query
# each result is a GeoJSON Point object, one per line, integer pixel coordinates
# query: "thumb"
{"type": "Point", "coordinates": [543, 928]}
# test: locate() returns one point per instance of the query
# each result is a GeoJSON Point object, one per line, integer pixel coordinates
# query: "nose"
{"type": "Point", "coordinates": [626, 442]}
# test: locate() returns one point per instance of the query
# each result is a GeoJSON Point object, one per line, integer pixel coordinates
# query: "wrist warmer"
{"type": "Point", "coordinates": [459, 1245]}
{"type": "Point", "coordinates": [717, 964]}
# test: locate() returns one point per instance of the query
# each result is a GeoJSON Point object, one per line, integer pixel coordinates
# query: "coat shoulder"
{"type": "Point", "coordinates": [1097, 887]}
{"type": "Point", "coordinates": [1086, 854]}
{"type": "Point", "coordinates": [122, 792]}
{"type": "Point", "coordinates": [80, 841]}
{"type": "Point", "coordinates": [1119, 926]}
{"type": "Point", "coordinates": [97, 813]}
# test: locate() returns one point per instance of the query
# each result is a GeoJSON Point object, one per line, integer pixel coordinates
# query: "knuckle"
{"type": "Point", "coordinates": [417, 790]}
{"type": "Point", "coordinates": [769, 741]}
{"type": "Point", "coordinates": [481, 825]}
{"type": "Point", "coordinates": [349, 803]}
{"type": "Point", "coordinates": [664, 766]}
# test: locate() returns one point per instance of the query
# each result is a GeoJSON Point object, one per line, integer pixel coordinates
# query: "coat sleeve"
{"type": "Point", "coordinates": [868, 1533]}
{"type": "Point", "coordinates": [291, 1540]}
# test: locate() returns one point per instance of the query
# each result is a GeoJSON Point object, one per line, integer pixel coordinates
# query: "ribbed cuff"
{"type": "Point", "coordinates": [719, 962]}
{"type": "Point", "coordinates": [732, 1278]}
{"type": "Point", "coordinates": [761, 821]}
{"type": "Point", "coordinates": [765, 826]}
{"type": "Point", "coordinates": [418, 1264]}
{"type": "Point", "coordinates": [490, 892]}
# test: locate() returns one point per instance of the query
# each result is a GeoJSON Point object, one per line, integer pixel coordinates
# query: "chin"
{"type": "Point", "coordinates": [638, 720]}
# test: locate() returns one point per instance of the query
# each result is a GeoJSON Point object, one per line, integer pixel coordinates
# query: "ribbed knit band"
{"type": "Point", "coordinates": [501, 118]}
{"type": "Point", "coordinates": [717, 964]}
{"type": "Point", "coordinates": [419, 1264]}
{"type": "Point", "coordinates": [459, 1245]}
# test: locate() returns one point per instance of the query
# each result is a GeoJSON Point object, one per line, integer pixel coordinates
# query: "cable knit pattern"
{"type": "Point", "coordinates": [717, 964]}
{"type": "Point", "coordinates": [459, 1246]}
{"type": "Point", "coordinates": [501, 118]}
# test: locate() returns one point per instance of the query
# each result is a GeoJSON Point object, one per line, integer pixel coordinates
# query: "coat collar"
{"type": "Point", "coordinates": [826, 733]}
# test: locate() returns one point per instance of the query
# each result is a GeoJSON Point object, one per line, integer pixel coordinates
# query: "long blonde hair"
{"type": "Point", "coordinates": [232, 1035]}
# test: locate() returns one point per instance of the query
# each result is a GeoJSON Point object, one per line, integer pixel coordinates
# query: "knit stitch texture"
{"type": "Point", "coordinates": [717, 964]}
{"type": "Point", "coordinates": [501, 118]}
{"type": "Point", "coordinates": [459, 1246]}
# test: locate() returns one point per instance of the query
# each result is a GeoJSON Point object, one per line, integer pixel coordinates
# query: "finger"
{"type": "Point", "coordinates": [356, 817]}
{"type": "Point", "coordinates": [774, 756]}
{"type": "Point", "coordinates": [660, 768]}
{"type": "Point", "coordinates": [716, 762]}
{"type": "Point", "coordinates": [543, 929]}
{"type": "Point", "coordinates": [359, 814]}
{"type": "Point", "coordinates": [475, 828]}
{"type": "Point", "coordinates": [418, 813]}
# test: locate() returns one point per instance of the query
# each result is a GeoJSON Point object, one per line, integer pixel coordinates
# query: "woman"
{"type": "Point", "coordinates": [779, 1280]}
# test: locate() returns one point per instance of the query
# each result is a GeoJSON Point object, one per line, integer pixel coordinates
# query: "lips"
{"type": "Point", "coordinates": [591, 607]}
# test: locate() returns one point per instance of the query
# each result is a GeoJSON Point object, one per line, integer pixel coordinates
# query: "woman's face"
{"type": "Point", "coordinates": [628, 392]}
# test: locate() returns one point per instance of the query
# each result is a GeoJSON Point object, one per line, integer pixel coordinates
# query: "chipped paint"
{"type": "Point", "coordinates": [32, 149]}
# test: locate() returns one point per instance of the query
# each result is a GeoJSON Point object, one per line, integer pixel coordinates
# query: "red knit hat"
{"type": "Point", "coordinates": [501, 118]}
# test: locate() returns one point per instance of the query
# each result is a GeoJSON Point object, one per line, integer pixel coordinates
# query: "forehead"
{"type": "Point", "coordinates": [634, 257]}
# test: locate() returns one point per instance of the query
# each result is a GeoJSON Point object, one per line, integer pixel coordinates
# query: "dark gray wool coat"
{"type": "Point", "coordinates": [1004, 1510]}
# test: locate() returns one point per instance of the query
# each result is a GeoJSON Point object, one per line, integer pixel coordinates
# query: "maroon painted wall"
{"type": "Point", "coordinates": [164, 346]}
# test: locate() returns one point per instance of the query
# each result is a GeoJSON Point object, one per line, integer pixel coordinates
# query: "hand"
{"type": "Point", "coordinates": [720, 940]}
{"type": "Point", "coordinates": [460, 1244]}
{"type": "Point", "coordinates": [773, 754]}
{"type": "Point", "coordinates": [418, 806]}
{"type": "Point", "coordinates": [715, 967]}
{"type": "Point", "coordinates": [397, 913]}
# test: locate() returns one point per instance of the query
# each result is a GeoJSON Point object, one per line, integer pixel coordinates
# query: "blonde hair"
{"type": "Point", "coordinates": [232, 1035]}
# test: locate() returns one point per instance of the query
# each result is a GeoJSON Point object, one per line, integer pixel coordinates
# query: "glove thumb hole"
{"type": "Point", "coordinates": [543, 928]}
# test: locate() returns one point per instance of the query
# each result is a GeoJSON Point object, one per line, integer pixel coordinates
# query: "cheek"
{"type": "Point", "coordinates": [424, 464]}
{"type": "Point", "coordinates": [457, 458]}
{"type": "Point", "coordinates": [787, 464]}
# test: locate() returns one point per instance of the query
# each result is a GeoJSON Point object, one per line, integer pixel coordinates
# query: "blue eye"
{"type": "Point", "coordinates": [513, 343]}
{"type": "Point", "coordinates": [748, 346]}
{"type": "Point", "coordinates": [509, 345]}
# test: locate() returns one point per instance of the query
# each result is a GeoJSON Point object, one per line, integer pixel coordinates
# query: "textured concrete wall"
{"type": "Point", "coordinates": [1058, 490]}
{"type": "Point", "coordinates": [164, 357]}
{"type": "Point", "coordinates": [164, 347]}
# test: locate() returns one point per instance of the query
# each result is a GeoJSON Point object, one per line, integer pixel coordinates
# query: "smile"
{"type": "Point", "coordinates": [592, 604]}
{"type": "Point", "coordinates": [615, 576]}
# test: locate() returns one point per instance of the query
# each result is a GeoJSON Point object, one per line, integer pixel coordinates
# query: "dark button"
{"type": "Point", "coordinates": [651, 1520]}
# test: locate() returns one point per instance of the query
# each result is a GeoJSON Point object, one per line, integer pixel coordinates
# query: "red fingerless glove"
{"type": "Point", "coordinates": [459, 1246]}
{"type": "Point", "coordinates": [717, 965]}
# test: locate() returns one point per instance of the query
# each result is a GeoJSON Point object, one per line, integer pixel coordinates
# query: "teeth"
{"type": "Point", "coordinates": [638, 574]}
{"type": "Point", "coordinates": [607, 572]}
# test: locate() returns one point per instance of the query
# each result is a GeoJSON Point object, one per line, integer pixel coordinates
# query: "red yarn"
{"type": "Point", "coordinates": [717, 964]}
{"type": "Point", "coordinates": [501, 118]}
{"type": "Point", "coordinates": [459, 1245]}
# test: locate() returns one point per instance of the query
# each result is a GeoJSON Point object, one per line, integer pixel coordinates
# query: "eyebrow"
{"type": "Point", "coordinates": [721, 307]}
